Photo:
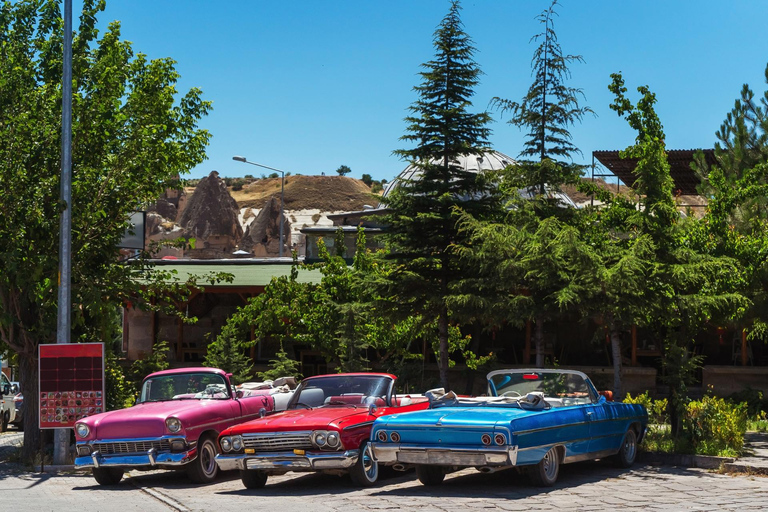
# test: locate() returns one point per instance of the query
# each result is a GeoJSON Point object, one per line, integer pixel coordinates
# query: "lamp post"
{"type": "Point", "coordinates": [282, 193]}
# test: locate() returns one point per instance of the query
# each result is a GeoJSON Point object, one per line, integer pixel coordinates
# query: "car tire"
{"type": "Point", "coordinates": [430, 475]}
{"type": "Point", "coordinates": [253, 478]}
{"type": "Point", "coordinates": [108, 476]}
{"type": "Point", "coordinates": [544, 474]}
{"type": "Point", "coordinates": [203, 469]}
{"type": "Point", "coordinates": [365, 472]}
{"type": "Point", "coordinates": [628, 451]}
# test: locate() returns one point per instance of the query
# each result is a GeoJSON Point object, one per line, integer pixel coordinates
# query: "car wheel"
{"type": "Point", "coordinates": [628, 451]}
{"type": "Point", "coordinates": [108, 476]}
{"type": "Point", "coordinates": [203, 469]}
{"type": "Point", "coordinates": [430, 475]}
{"type": "Point", "coordinates": [545, 472]}
{"type": "Point", "coordinates": [365, 472]}
{"type": "Point", "coordinates": [253, 478]}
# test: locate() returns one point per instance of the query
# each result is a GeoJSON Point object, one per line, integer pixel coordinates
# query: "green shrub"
{"type": "Point", "coordinates": [754, 398]}
{"type": "Point", "coordinates": [154, 362]}
{"type": "Point", "coordinates": [657, 409]}
{"type": "Point", "coordinates": [119, 391]}
{"type": "Point", "coordinates": [281, 366]}
{"type": "Point", "coordinates": [228, 353]}
{"type": "Point", "coordinates": [716, 426]}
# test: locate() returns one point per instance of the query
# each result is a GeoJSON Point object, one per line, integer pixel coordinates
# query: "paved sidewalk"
{"type": "Point", "coordinates": [756, 458]}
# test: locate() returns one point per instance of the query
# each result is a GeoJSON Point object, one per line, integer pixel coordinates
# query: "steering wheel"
{"type": "Point", "coordinates": [510, 393]}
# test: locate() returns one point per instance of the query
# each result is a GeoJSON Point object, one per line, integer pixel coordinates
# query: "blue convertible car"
{"type": "Point", "coordinates": [534, 418]}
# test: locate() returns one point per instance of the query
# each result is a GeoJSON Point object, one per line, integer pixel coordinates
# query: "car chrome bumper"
{"type": "Point", "coordinates": [151, 458]}
{"type": "Point", "coordinates": [289, 461]}
{"type": "Point", "coordinates": [390, 453]}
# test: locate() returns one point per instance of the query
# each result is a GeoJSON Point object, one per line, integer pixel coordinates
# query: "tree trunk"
{"type": "Point", "coordinates": [538, 338]}
{"type": "Point", "coordinates": [29, 386]}
{"type": "Point", "coordinates": [616, 352]}
{"type": "Point", "coordinates": [442, 333]}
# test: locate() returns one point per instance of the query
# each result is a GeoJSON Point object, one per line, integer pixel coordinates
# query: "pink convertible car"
{"type": "Point", "coordinates": [174, 424]}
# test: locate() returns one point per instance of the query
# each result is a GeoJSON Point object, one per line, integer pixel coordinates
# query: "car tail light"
{"type": "Point", "coordinates": [499, 439]}
{"type": "Point", "coordinates": [395, 437]}
{"type": "Point", "coordinates": [486, 439]}
{"type": "Point", "coordinates": [382, 436]}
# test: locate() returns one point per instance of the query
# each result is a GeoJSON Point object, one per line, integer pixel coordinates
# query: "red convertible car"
{"type": "Point", "coordinates": [325, 428]}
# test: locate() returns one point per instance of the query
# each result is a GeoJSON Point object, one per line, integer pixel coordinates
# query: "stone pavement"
{"type": "Point", "coordinates": [756, 457]}
{"type": "Point", "coordinates": [581, 486]}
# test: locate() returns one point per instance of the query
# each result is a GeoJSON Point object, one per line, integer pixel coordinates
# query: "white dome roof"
{"type": "Point", "coordinates": [488, 161]}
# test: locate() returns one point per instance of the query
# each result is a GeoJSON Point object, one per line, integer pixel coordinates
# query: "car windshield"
{"type": "Point", "coordinates": [571, 387]}
{"type": "Point", "coordinates": [184, 386]}
{"type": "Point", "coordinates": [342, 390]}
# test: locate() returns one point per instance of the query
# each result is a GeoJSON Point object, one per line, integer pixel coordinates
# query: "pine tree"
{"type": "Point", "coordinates": [421, 224]}
{"type": "Point", "coordinates": [547, 111]}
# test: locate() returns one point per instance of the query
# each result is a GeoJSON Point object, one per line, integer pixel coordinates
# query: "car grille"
{"type": "Point", "coordinates": [277, 441]}
{"type": "Point", "coordinates": [132, 446]}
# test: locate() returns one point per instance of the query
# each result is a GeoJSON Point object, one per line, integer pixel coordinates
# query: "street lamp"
{"type": "Point", "coordinates": [282, 193]}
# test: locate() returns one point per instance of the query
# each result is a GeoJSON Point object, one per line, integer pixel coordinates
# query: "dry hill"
{"type": "Point", "coordinates": [324, 193]}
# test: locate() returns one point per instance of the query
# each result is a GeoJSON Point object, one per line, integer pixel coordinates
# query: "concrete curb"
{"type": "Point", "coordinates": [691, 461]}
{"type": "Point", "coordinates": [54, 468]}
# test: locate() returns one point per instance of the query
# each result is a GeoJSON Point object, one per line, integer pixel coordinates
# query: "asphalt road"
{"type": "Point", "coordinates": [582, 486]}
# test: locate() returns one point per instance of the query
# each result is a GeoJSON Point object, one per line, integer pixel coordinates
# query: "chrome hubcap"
{"type": "Point", "coordinates": [630, 447]}
{"type": "Point", "coordinates": [207, 459]}
{"type": "Point", "coordinates": [550, 464]}
{"type": "Point", "coordinates": [370, 467]}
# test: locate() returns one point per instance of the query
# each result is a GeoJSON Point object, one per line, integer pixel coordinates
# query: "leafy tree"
{"type": "Point", "coordinates": [132, 137]}
{"type": "Point", "coordinates": [156, 361]}
{"type": "Point", "coordinates": [367, 179]}
{"type": "Point", "coordinates": [736, 222]}
{"type": "Point", "coordinates": [281, 366]}
{"type": "Point", "coordinates": [421, 228]}
{"type": "Point", "coordinates": [343, 170]}
{"type": "Point", "coordinates": [685, 287]}
{"type": "Point", "coordinates": [227, 352]}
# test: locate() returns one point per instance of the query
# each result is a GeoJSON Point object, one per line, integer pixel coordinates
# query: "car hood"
{"type": "Point", "coordinates": [142, 420]}
{"type": "Point", "coordinates": [453, 416]}
{"type": "Point", "coordinates": [305, 419]}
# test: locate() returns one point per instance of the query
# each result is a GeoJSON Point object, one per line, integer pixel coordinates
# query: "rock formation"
{"type": "Point", "coordinates": [262, 238]}
{"type": "Point", "coordinates": [210, 217]}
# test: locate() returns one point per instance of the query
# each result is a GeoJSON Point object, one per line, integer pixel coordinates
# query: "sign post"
{"type": "Point", "coordinates": [71, 383]}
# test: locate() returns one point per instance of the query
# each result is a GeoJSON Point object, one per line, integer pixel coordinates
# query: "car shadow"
{"type": "Point", "coordinates": [515, 484]}
{"type": "Point", "coordinates": [309, 484]}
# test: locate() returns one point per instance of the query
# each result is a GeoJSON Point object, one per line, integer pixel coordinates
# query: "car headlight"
{"type": "Point", "coordinates": [237, 443]}
{"type": "Point", "coordinates": [333, 439]}
{"type": "Point", "coordinates": [82, 430]}
{"type": "Point", "coordinates": [320, 439]}
{"type": "Point", "coordinates": [226, 444]}
{"type": "Point", "coordinates": [173, 425]}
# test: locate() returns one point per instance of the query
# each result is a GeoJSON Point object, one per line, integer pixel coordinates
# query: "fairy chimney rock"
{"type": "Point", "coordinates": [210, 216]}
{"type": "Point", "coordinates": [262, 238]}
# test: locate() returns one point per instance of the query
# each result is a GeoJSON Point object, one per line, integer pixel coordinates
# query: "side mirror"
{"type": "Point", "coordinates": [262, 412]}
{"type": "Point", "coordinates": [15, 389]}
{"type": "Point", "coordinates": [239, 393]}
{"type": "Point", "coordinates": [372, 409]}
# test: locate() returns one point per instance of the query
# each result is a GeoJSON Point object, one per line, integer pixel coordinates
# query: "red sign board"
{"type": "Point", "coordinates": [71, 383]}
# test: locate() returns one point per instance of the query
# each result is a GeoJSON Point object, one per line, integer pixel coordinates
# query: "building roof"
{"type": "Point", "coordinates": [250, 273]}
{"type": "Point", "coordinates": [686, 180]}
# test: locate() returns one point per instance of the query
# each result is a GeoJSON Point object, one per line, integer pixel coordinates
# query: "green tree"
{"type": "Point", "coordinates": [132, 137]}
{"type": "Point", "coordinates": [367, 179]}
{"type": "Point", "coordinates": [546, 112]}
{"type": "Point", "coordinates": [736, 221]}
{"type": "Point", "coordinates": [343, 170]}
{"type": "Point", "coordinates": [685, 287]}
{"type": "Point", "coordinates": [421, 227]}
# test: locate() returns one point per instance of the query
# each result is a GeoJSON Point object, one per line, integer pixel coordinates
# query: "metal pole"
{"type": "Point", "coordinates": [282, 221]}
{"type": "Point", "coordinates": [63, 330]}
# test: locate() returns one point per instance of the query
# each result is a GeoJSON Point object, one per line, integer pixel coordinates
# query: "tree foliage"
{"type": "Point", "coordinates": [132, 136]}
{"type": "Point", "coordinates": [421, 226]}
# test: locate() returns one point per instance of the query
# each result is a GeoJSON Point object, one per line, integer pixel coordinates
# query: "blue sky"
{"type": "Point", "coordinates": [306, 86]}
